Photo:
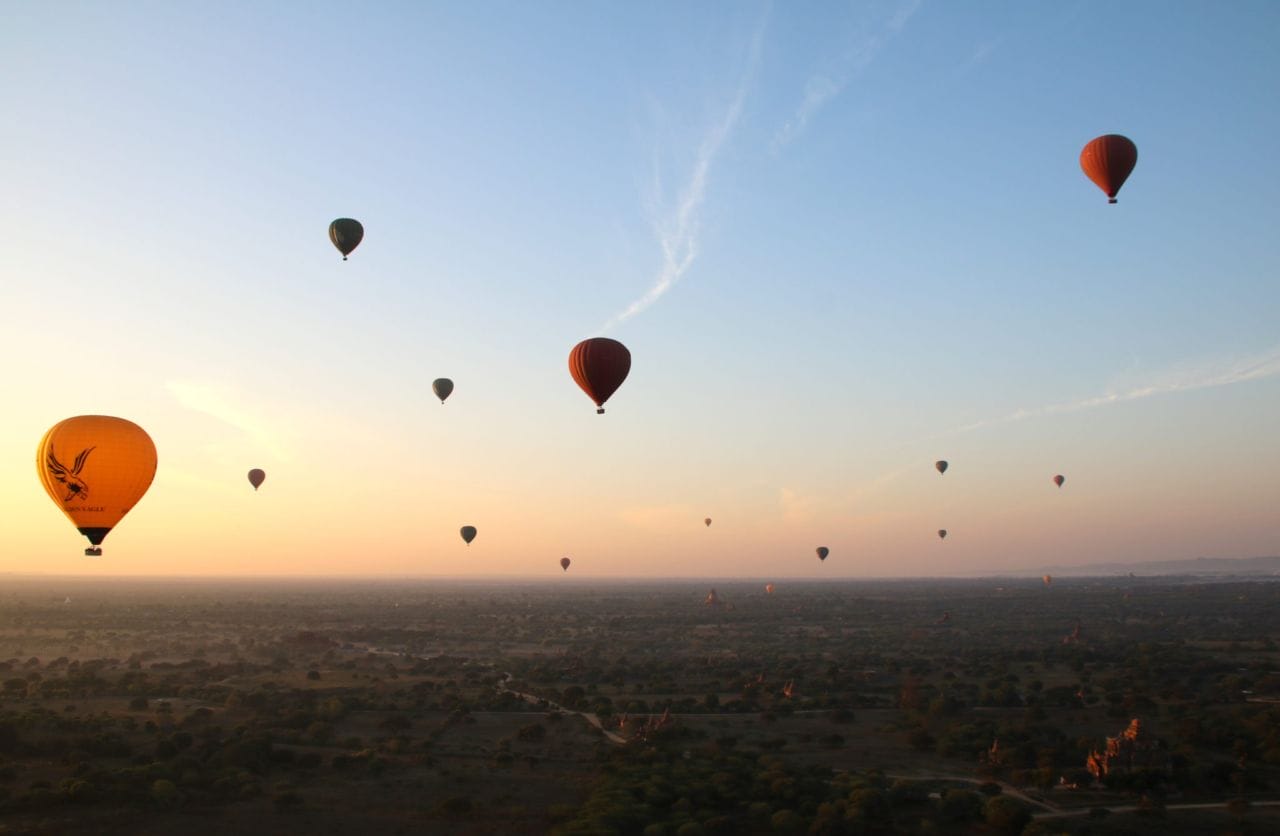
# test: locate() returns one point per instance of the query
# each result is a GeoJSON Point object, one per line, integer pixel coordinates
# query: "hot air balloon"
{"type": "Point", "coordinates": [708, 522]}
{"type": "Point", "coordinates": [468, 533]}
{"type": "Point", "coordinates": [942, 534]}
{"type": "Point", "coordinates": [443, 387]}
{"type": "Point", "coordinates": [768, 588]}
{"type": "Point", "coordinates": [256, 477]}
{"type": "Point", "coordinates": [346, 234]}
{"type": "Point", "coordinates": [95, 468]}
{"type": "Point", "coordinates": [599, 365]}
{"type": "Point", "coordinates": [941, 465]}
{"type": "Point", "coordinates": [564, 563]}
{"type": "Point", "coordinates": [1048, 580]}
{"type": "Point", "coordinates": [1108, 161]}
{"type": "Point", "coordinates": [1059, 479]}
{"type": "Point", "coordinates": [823, 551]}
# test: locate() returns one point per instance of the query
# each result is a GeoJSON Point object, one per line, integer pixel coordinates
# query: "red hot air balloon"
{"type": "Point", "coordinates": [599, 365]}
{"type": "Point", "coordinates": [1108, 161]}
{"type": "Point", "coordinates": [564, 563]}
{"type": "Point", "coordinates": [256, 477]}
{"type": "Point", "coordinates": [1059, 479]}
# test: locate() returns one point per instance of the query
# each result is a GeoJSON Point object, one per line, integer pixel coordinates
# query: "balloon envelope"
{"type": "Point", "coordinates": [823, 551]}
{"type": "Point", "coordinates": [599, 365]}
{"type": "Point", "coordinates": [96, 468]}
{"type": "Point", "coordinates": [942, 534]}
{"type": "Point", "coordinates": [768, 588]}
{"type": "Point", "coordinates": [346, 234]}
{"type": "Point", "coordinates": [256, 477]}
{"type": "Point", "coordinates": [564, 563]}
{"type": "Point", "coordinates": [1108, 161]}
{"type": "Point", "coordinates": [1059, 479]}
{"type": "Point", "coordinates": [941, 465]}
{"type": "Point", "coordinates": [468, 533]}
{"type": "Point", "coordinates": [707, 521]}
{"type": "Point", "coordinates": [1048, 579]}
{"type": "Point", "coordinates": [443, 387]}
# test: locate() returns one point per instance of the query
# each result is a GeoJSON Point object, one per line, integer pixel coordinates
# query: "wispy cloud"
{"type": "Point", "coordinates": [221, 403]}
{"type": "Point", "coordinates": [1185, 377]}
{"type": "Point", "coordinates": [824, 86]}
{"type": "Point", "coordinates": [678, 226]}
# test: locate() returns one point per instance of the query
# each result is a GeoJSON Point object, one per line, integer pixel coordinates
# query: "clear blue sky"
{"type": "Point", "coordinates": [842, 240]}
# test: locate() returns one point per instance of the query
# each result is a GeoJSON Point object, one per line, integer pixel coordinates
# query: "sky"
{"type": "Point", "coordinates": [841, 240]}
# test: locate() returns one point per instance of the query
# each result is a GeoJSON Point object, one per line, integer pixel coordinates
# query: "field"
{"type": "Point", "coordinates": [336, 707]}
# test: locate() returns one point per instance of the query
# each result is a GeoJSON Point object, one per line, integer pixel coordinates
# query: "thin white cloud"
{"type": "Point", "coordinates": [219, 402]}
{"type": "Point", "coordinates": [796, 507]}
{"type": "Point", "coordinates": [677, 229]}
{"type": "Point", "coordinates": [824, 86]}
{"type": "Point", "coordinates": [1183, 378]}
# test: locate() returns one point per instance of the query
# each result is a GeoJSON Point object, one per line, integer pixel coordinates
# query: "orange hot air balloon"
{"type": "Point", "coordinates": [941, 466]}
{"type": "Point", "coordinates": [768, 588]}
{"type": "Point", "coordinates": [599, 365]}
{"type": "Point", "coordinates": [1108, 161]}
{"type": "Point", "coordinates": [1048, 580]}
{"type": "Point", "coordinates": [708, 522]}
{"type": "Point", "coordinates": [256, 477]}
{"type": "Point", "coordinates": [1059, 479]}
{"type": "Point", "coordinates": [564, 563]}
{"type": "Point", "coordinates": [96, 468]}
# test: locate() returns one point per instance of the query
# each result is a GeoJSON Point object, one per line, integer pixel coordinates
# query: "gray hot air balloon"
{"type": "Point", "coordinates": [443, 387]}
{"type": "Point", "coordinates": [823, 551]}
{"type": "Point", "coordinates": [346, 234]}
{"type": "Point", "coordinates": [468, 533]}
{"type": "Point", "coordinates": [941, 465]}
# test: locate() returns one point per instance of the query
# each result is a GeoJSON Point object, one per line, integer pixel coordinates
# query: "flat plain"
{"type": "Point", "coordinates": [995, 705]}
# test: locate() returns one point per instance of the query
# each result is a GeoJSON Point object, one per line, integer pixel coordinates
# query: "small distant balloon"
{"type": "Point", "coordinates": [1059, 479]}
{"type": "Point", "coordinates": [941, 465]}
{"type": "Point", "coordinates": [768, 588]}
{"type": "Point", "coordinates": [256, 477]}
{"type": "Point", "coordinates": [708, 522]}
{"type": "Point", "coordinates": [1108, 161]}
{"type": "Point", "coordinates": [564, 563]}
{"type": "Point", "coordinates": [468, 533]}
{"type": "Point", "coordinates": [346, 234]}
{"type": "Point", "coordinates": [1048, 580]}
{"type": "Point", "coordinates": [443, 387]}
{"type": "Point", "coordinates": [823, 551]}
{"type": "Point", "coordinates": [942, 534]}
{"type": "Point", "coordinates": [598, 366]}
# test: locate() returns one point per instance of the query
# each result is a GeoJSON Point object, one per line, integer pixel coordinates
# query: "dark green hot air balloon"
{"type": "Point", "coordinates": [346, 234]}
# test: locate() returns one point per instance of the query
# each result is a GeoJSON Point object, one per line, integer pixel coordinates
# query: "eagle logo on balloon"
{"type": "Point", "coordinates": [76, 487]}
